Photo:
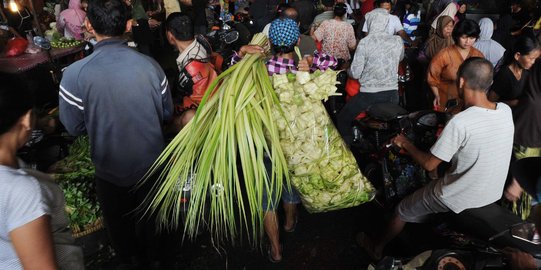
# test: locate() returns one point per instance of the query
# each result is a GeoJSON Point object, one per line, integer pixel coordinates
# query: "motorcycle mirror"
{"type": "Point", "coordinates": [525, 232]}
{"type": "Point", "coordinates": [231, 37]}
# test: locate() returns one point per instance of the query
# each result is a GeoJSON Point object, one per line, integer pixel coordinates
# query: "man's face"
{"type": "Point", "coordinates": [386, 6]}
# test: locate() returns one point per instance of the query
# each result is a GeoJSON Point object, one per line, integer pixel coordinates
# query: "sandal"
{"type": "Point", "coordinates": [292, 229]}
{"type": "Point", "coordinates": [367, 246]}
{"type": "Point", "coordinates": [269, 255]}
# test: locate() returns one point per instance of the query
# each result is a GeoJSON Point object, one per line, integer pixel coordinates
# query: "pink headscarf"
{"type": "Point", "coordinates": [71, 19]}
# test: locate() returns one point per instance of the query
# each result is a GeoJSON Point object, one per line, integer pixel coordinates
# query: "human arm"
{"type": "Point", "coordinates": [405, 36]}
{"type": "Point", "coordinates": [352, 42]}
{"type": "Point", "coordinates": [33, 243]}
{"type": "Point", "coordinates": [246, 49]}
{"type": "Point", "coordinates": [318, 33]}
{"type": "Point", "coordinates": [357, 65]}
{"type": "Point", "coordinates": [428, 161]}
{"type": "Point", "coordinates": [437, 64]}
{"type": "Point", "coordinates": [70, 104]}
{"type": "Point", "coordinates": [520, 260]}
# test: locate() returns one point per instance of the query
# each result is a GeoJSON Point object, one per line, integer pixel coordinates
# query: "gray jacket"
{"type": "Point", "coordinates": [120, 98]}
{"type": "Point", "coordinates": [376, 59]}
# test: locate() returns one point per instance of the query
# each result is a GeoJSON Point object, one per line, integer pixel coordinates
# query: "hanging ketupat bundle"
{"type": "Point", "coordinates": [321, 167]}
{"type": "Point", "coordinates": [233, 126]}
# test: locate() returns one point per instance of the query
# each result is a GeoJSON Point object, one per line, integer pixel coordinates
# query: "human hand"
{"type": "Point", "coordinates": [520, 260]}
{"type": "Point", "coordinates": [513, 191]}
{"type": "Point", "coordinates": [436, 101]}
{"type": "Point", "coordinates": [153, 23]}
{"type": "Point", "coordinates": [400, 140]}
{"type": "Point", "coordinates": [251, 49]}
{"type": "Point", "coordinates": [305, 63]}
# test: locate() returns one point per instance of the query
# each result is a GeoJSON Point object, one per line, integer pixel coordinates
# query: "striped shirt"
{"type": "Point", "coordinates": [478, 142]}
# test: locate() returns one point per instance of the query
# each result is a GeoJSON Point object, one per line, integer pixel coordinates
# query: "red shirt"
{"type": "Point", "coordinates": [366, 7]}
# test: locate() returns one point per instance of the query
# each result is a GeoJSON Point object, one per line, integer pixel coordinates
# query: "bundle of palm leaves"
{"type": "Point", "coordinates": [222, 152]}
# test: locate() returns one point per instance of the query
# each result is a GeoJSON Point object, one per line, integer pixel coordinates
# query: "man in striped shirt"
{"type": "Point", "coordinates": [478, 142]}
{"type": "Point", "coordinates": [120, 98]}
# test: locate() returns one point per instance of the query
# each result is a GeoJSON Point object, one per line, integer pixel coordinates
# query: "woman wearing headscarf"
{"type": "Point", "coordinates": [70, 20]}
{"type": "Point", "coordinates": [442, 72]}
{"type": "Point", "coordinates": [450, 10]}
{"type": "Point", "coordinates": [442, 38]}
{"type": "Point", "coordinates": [492, 50]}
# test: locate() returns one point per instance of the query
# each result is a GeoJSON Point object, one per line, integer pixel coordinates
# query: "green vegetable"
{"type": "Point", "coordinates": [321, 166]}
{"type": "Point", "coordinates": [75, 176]}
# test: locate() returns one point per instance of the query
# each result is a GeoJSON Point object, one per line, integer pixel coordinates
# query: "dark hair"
{"type": "Point", "coordinates": [280, 9]}
{"type": "Point", "coordinates": [180, 25]}
{"type": "Point", "coordinates": [284, 49]}
{"type": "Point", "coordinates": [328, 3]}
{"type": "Point", "coordinates": [523, 45]}
{"type": "Point", "coordinates": [379, 2]}
{"type": "Point", "coordinates": [465, 27]}
{"type": "Point", "coordinates": [15, 101]}
{"type": "Point", "coordinates": [108, 17]}
{"type": "Point", "coordinates": [340, 9]}
{"type": "Point", "coordinates": [477, 73]}
{"type": "Point", "coordinates": [295, 18]}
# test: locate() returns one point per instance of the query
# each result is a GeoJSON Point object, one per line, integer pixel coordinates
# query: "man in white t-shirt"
{"type": "Point", "coordinates": [478, 142]}
{"type": "Point", "coordinates": [395, 25]}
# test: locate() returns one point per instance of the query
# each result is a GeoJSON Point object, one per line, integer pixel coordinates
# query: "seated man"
{"type": "Point", "coordinates": [478, 142]}
{"type": "Point", "coordinates": [196, 71]}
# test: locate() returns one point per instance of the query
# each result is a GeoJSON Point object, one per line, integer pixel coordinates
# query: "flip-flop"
{"type": "Point", "coordinates": [269, 255]}
{"type": "Point", "coordinates": [366, 245]}
{"type": "Point", "coordinates": [292, 229]}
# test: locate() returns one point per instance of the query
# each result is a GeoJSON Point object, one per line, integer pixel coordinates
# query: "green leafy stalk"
{"type": "Point", "coordinates": [223, 148]}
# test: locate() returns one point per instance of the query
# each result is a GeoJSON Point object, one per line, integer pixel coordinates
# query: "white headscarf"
{"type": "Point", "coordinates": [450, 10]}
{"type": "Point", "coordinates": [492, 50]}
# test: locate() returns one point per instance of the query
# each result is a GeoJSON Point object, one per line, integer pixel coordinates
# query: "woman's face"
{"type": "Point", "coordinates": [526, 61]}
{"type": "Point", "coordinates": [462, 8]}
{"type": "Point", "coordinates": [465, 42]}
{"type": "Point", "coordinates": [448, 29]}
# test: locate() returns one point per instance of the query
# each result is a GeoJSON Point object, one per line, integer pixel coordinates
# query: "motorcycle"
{"type": "Point", "coordinates": [476, 236]}
{"type": "Point", "coordinates": [494, 228]}
{"type": "Point", "coordinates": [388, 168]}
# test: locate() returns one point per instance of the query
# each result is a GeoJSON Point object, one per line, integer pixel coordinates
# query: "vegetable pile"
{"type": "Point", "coordinates": [322, 168]}
{"type": "Point", "coordinates": [75, 176]}
{"type": "Point", "coordinates": [224, 147]}
{"type": "Point", "coordinates": [65, 43]}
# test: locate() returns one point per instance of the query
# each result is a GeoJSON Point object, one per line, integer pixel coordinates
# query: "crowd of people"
{"type": "Point", "coordinates": [122, 97]}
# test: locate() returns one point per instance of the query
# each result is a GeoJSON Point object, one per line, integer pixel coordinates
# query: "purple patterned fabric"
{"type": "Point", "coordinates": [279, 65]}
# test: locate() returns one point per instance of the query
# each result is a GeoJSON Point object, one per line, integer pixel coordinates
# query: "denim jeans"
{"type": "Point", "coordinates": [358, 104]}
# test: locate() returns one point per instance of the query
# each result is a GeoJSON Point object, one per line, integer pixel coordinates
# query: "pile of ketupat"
{"type": "Point", "coordinates": [321, 166]}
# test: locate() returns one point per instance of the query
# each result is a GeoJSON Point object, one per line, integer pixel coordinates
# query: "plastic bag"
{"type": "Point", "coordinates": [321, 166]}
{"type": "Point", "coordinates": [16, 46]}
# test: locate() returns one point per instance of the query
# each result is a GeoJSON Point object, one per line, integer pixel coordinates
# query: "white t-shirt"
{"type": "Point", "coordinates": [392, 28]}
{"type": "Point", "coordinates": [479, 144]}
{"type": "Point", "coordinates": [26, 195]}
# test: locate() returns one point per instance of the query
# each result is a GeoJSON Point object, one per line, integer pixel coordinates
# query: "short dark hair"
{"type": "Point", "coordinates": [15, 100]}
{"type": "Point", "coordinates": [477, 73]}
{"type": "Point", "coordinates": [340, 9]}
{"type": "Point", "coordinates": [108, 17]}
{"type": "Point", "coordinates": [289, 10]}
{"type": "Point", "coordinates": [466, 27]}
{"type": "Point", "coordinates": [379, 2]}
{"type": "Point", "coordinates": [180, 25]}
{"type": "Point", "coordinates": [328, 3]}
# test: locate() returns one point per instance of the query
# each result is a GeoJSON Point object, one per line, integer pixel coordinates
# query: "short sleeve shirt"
{"type": "Point", "coordinates": [478, 142]}
{"type": "Point", "coordinates": [392, 28]}
{"type": "Point", "coordinates": [21, 201]}
{"type": "Point", "coordinates": [337, 37]}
